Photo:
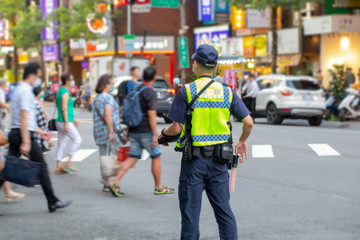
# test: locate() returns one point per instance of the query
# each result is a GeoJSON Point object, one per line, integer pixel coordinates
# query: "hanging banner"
{"type": "Point", "coordinates": [211, 35]}
{"type": "Point", "coordinates": [206, 10]}
{"type": "Point", "coordinates": [249, 50]}
{"type": "Point", "coordinates": [237, 18]}
{"type": "Point", "coordinates": [260, 45]}
{"type": "Point", "coordinates": [1, 28]}
{"type": "Point", "coordinates": [230, 78]}
{"type": "Point", "coordinates": [51, 53]}
{"type": "Point", "coordinates": [47, 6]}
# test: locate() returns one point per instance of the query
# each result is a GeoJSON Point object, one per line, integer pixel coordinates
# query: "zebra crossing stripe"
{"type": "Point", "coordinates": [80, 155]}
{"type": "Point", "coordinates": [323, 150]}
{"type": "Point", "coordinates": [262, 151]}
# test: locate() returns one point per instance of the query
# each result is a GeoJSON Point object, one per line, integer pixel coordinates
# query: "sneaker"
{"type": "Point", "coordinates": [106, 189]}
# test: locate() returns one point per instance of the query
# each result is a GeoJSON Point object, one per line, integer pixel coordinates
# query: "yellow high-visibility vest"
{"type": "Point", "coordinates": [210, 115]}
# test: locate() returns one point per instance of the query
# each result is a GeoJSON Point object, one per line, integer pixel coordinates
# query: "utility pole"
{"type": "Point", "coordinates": [129, 18]}
{"type": "Point", "coordinates": [182, 31]}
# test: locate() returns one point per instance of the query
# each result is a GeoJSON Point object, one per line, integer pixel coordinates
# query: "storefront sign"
{"type": "Point", "coordinates": [6, 42]}
{"type": "Point", "coordinates": [230, 78]}
{"type": "Point", "coordinates": [1, 28]}
{"type": "Point", "coordinates": [141, 8]}
{"type": "Point", "coordinates": [340, 6]}
{"type": "Point", "coordinates": [183, 52]}
{"type": "Point", "coordinates": [153, 43]}
{"type": "Point", "coordinates": [222, 6]}
{"type": "Point", "coordinates": [47, 6]}
{"type": "Point", "coordinates": [289, 41]}
{"type": "Point", "coordinates": [258, 18]}
{"type": "Point", "coordinates": [99, 26]}
{"type": "Point", "coordinates": [85, 65]}
{"type": "Point", "coordinates": [23, 58]}
{"type": "Point", "coordinates": [77, 44]}
{"type": "Point", "coordinates": [289, 60]}
{"type": "Point", "coordinates": [100, 45]}
{"type": "Point", "coordinates": [232, 47]}
{"type": "Point", "coordinates": [205, 10]}
{"type": "Point", "coordinates": [165, 3]}
{"type": "Point", "coordinates": [332, 24]}
{"type": "Point", "coordinates": [237, 18]}
{"type": "Point", "coordinates": [211, 35]}
{"type": "Point", "coordinates": [249, 50]}
{"type": "Point", "coordinates": [51, 53]}
{"type": "Point", "coordinates": [260, 45]}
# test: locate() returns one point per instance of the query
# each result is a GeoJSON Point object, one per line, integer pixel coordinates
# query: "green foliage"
{"type": "Point", "coordinates": [338, 82]}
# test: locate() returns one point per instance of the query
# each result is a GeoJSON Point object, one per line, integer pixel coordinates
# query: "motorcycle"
{"type": "Point", "coordinates": [331, 108]}
{"type": "Point", "coordinates": [350, 106]}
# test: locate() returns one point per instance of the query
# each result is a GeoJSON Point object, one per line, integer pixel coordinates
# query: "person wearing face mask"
{"type": "Point", "coordinates": [106, 108]}
{"type": "Point", "coordinates": [66, 125]}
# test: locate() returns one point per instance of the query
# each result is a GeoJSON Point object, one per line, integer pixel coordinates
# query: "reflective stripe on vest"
{"type": "Point", "coordinates": [210, 115]}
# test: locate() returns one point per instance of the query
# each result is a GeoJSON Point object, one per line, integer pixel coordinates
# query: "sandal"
{"type": "Point", "coordinates": [61, 171]}
{"type": "Point", "coordinates": [71, 169]}
{"type": "Point", "coordinates": [159, 191]}
{"type": "Point", "coordinates": [115, 190]}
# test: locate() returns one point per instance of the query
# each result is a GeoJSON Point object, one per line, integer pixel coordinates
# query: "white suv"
{"type": "Point", "coordinates": [294, 97]}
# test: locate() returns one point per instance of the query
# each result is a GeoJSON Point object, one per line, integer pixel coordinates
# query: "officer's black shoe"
{"type": "Point", "coordinates": [59, 204]}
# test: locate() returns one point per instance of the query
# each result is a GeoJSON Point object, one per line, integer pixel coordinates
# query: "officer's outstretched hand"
{"type": "Point", "coordinates": [241, 150]}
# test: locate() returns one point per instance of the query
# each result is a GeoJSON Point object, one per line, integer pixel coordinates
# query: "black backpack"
{"type": "Point", "coordinates": [122, 92]}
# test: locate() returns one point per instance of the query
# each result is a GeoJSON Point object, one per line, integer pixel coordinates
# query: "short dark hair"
{"type": "Point", "coordinates": [66, 76]}
{"type": "Point", "coordinates": [37, 90]}
{"type": "Point", "coordinates": [103, 81]}
{"type": "Point", "coordinates": [31, 68]}
{"type": "Point", "coordinates": [204, 68]}
{"type": "Point", "coordinates": [133, 68]}
{"type": "Point", "coordinates": [149, 74]}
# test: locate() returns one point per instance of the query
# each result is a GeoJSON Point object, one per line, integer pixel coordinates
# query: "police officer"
{"type": "Point", "coordinates": [205, 137]}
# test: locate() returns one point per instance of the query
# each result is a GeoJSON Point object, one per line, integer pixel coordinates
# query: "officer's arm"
{"type": "Point", "coordinates": [241, 146]}
{"type": "Point", "coordinates": [174, 129]}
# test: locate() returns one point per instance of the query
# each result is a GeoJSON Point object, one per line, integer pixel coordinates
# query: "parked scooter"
{"type": "Point", "coordinates": [331, 108]}
{"type": "Point", "coordinates": [350, 105]}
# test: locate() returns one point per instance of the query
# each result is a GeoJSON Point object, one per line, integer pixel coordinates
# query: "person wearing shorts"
{"type": "Point", "coordinates": [145, 137]}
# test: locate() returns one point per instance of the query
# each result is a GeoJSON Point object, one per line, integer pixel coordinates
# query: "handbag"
{"type": "Point", "coordinates": [123, 154]}
{"type": "Point", "coordinates": [3, 140]}
{"type": "Point", "coordinates": [122, 133]}
{"type": "Point", "coordinates": [109, 166]}
{"type": "Point", "coordinates": [52, 121]}
{"type": "Point", "coordinates": [21, 171]}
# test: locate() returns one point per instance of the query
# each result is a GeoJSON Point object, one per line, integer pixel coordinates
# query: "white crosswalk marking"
{"type": "Point", "coordinates": [262, 151]}
{"type": "Point", "coordinates": [323, 150]}
{"type": "Point", "coordinates": [80, 155]}
{"type": "Point", "coordinates": [144, 155]}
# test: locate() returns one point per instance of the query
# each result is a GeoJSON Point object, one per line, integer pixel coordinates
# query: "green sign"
{"type": "Point", "coordinates": [165, 3]}
{"type": "Point", "coordinates": [129, 36]}
{"type": "Point", "coordinates": [340, 6]}
{"type": "Point", "coordinates": [183, 52]}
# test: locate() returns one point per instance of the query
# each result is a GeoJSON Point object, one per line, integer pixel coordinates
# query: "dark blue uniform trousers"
{"type": "Point", "coordinates": [196, 176]}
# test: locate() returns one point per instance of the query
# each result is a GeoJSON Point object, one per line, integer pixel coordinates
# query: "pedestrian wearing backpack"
{"type": "Point", "coordinates": [139, 113]}
{"type": "Point", "coordinates": [126, 86]}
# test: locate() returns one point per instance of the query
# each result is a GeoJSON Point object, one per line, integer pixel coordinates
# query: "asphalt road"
{"type": "Point", "coordinates": [287, 189]}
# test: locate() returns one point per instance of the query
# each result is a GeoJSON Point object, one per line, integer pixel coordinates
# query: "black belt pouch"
{"type": "Point", "coordinates": [223, 153]}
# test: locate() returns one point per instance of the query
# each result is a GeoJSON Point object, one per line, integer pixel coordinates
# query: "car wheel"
{"type": "Point", "coordinates": [315, 121]}
{"type": "Point", "coordinates": [342, 115]}
{"type": "Point", "coordinates": [272, 115]}
{"type": "Point", "coordinates": [167, 120]}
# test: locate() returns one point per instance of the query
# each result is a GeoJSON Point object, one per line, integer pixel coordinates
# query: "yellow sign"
{"type": "Point", "coordinates": [23, 58]}
{"type": "Point", "coordinates": [249, 50]}
{"type": "Point", "coordinates": [260, 45]}
{"type": "Point", "coordinates": [237, 18]}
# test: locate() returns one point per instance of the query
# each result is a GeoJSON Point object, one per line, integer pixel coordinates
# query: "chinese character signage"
{"type": "Point", "coordinates": [211, 35]}
{"type": "Point", "coordinates": [237, 18]}
{"type": "Point", "coordinates": [47, 6]}
{"type": "Point", "coordinates": [51, 53]}
{"type": "Point", "coordinates": [249, 50]}
{"type": "Point", "coordinates": [222, 6]}
{"type": "Point", "coordinates": [1, 28]}
{"type": "Point", "coordinates": [260, 45]}
{"type": "Point", "coordinates": [258, 18]}
{"type": "Point", "coordinates": [183, 52]}
{"type": "Point", "coordinates": [165, 3]}
{"type": "Point", "coordinates": [230, 78]}
{"type": "Point", "coordinates": [206, 10]}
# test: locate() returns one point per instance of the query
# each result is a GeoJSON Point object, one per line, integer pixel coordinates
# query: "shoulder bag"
{"type": "Point", "coordinates": [122, 133]}
{"type": "Point", "coordinates": [21, 171]}
{"type": "Point", "coordinates": [52, 121]}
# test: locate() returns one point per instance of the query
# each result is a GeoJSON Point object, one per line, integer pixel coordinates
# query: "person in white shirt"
{"type": "Point", "coordinates": [250, 91]}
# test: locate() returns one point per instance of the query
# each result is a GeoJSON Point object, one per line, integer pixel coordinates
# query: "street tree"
{"type": "Point", "coordinates": [273, 4]}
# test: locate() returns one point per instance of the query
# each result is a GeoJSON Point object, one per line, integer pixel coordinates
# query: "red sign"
{"type": "Point", "coordinates": [142, 1]}
{"type": "Point", "coordinates": [119, 3]}
{"type": "Point", "coordinates": [6, 42]}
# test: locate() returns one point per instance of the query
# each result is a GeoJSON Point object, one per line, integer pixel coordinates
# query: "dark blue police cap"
{"type": "Point", "coordinates": [206, 55]}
